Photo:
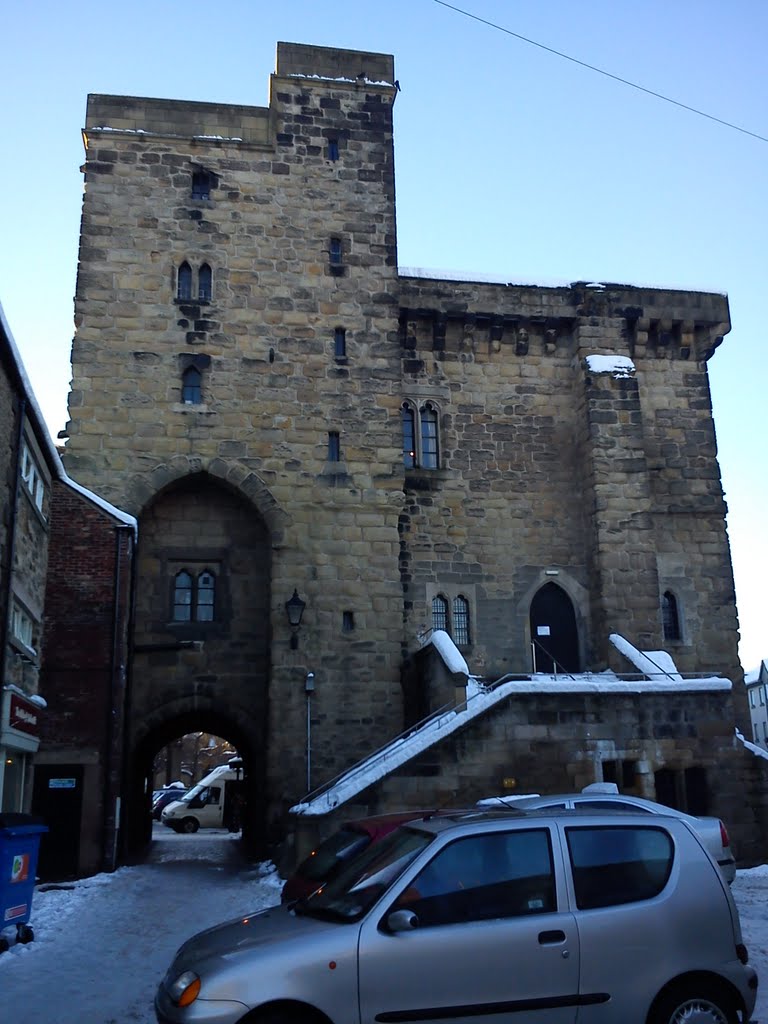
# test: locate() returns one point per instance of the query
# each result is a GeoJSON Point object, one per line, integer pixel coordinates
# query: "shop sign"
{"type": "Point", "coordinates": [23, 715]}
{"type": "Point", "coordinates": [62, 783]}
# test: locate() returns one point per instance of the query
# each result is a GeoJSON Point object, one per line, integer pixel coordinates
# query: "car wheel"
{"type": "Point", "coordinates": [700, 1005]}
{"type": "Point", "coordinates": [24, 934]}
{"type": "Point", "coordinates": [189, 825]}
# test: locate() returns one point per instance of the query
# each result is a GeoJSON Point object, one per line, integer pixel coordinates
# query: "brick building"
{"type": "Point", "coordinates": [65, 590]}
{"type": "Point", "coordinates": [28, 464]}
{"type": "Point", "coordinates": [286, 412]}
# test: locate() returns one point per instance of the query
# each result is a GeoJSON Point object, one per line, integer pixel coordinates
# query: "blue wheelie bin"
{"type": "Point", "coordinates": [19, 847]}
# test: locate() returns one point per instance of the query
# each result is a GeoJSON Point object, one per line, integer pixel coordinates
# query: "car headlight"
{"type": "Point", "coordinates": [185, 989]}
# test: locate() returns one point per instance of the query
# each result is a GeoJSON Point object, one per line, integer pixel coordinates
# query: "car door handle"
{"type": "Point", "coordinates": [551, 938]}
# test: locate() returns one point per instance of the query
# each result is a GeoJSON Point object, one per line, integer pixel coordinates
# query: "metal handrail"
{"type": "Point", "coordinates": [378, 754]}
{"type": "Point", "coordinates": [537, 643]}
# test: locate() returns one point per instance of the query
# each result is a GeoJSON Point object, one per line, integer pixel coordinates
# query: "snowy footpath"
{"type": "Point", "coordinates": [102, 945]}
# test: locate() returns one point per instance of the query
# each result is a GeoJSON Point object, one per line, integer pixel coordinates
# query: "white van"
{"type": "Point", "coordinates": [215, 802]}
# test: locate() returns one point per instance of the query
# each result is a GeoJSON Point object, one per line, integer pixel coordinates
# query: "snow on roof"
{"type": "Point", "coordinates": [752, 747]}
{"type": "Point", "coordinates": [619, 366]}
{"type": "Point", "coordinates": [479, 699]}
{"type": "Point", "coordinates": [339, 78]}
{"type": "Point", "coordinates": [753, 676]}
{"type": "Point", "coordinates": [654, 664]}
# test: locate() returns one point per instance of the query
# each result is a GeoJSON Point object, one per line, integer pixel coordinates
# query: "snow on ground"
{"type": "Point", "coordinates": [102, 944]}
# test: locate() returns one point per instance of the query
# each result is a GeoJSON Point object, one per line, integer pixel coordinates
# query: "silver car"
{"type": "Point", "coordinates": [605, 796]}
{"type": "Point", "coordinates": [550, 917]}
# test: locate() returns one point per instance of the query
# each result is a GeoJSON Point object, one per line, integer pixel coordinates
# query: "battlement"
{"type": "Point", "coordinates": [174, 118]}
{"type": "Point", "coordinates": [331, 63]}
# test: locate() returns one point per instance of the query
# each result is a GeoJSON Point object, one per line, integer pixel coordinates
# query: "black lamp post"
{"type": "Point", "coordinates": [295, 609]}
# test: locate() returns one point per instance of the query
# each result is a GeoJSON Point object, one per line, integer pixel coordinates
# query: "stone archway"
{"type": "Point", "coordinates": [167, 724]}
{"type": "Point", "coordinates": [202, 630]}
{"type": "Point", "coordinates": [554, 631]}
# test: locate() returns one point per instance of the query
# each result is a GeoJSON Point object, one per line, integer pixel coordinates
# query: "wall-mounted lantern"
{"type": "Point", "coordinates": [295, 609]}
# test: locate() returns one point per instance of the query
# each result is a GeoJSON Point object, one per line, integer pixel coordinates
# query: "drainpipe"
{"type": "Point", "coordinates": [115, 724]}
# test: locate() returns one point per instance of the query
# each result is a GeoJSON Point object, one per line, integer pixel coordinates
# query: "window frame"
{"type": "Point", "coordinates": [22, 626]}
{"type": "Point", "coordinates": [334, 446]}
{"type": "Point", "coordinates": [192, 392]}
{"type": "Point", "coordinates": [202, 182]}
{"type": "Point", "coordinates": [483, 879]}
{"type": "Point", "coordinates": [671, 619]}
{"type": "Point", "coordinates": [205, 283]}
{"type": "Point", "coordinates": [186, 581]}
{"type": "Point", "coordinates": [335, 251]}
{"type": "Point", "coordinates": [461, 633]}
{"type": "Point", "coordinates": [184, 282]}
{"type": "Point", "coordinates": [340, 342]}
{"type": "Point", "coordinates": [31, 476]}
{"type": "Point", "coordinates": [440, 604]}
{"type": "Point", "coordinates": [420, 427]}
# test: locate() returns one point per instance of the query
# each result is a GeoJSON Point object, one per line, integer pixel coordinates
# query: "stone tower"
{"type": "Point", "coordinates": [284, 411]}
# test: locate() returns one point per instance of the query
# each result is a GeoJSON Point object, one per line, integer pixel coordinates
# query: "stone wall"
{"type": "Point", "coordinates": [306, 343]}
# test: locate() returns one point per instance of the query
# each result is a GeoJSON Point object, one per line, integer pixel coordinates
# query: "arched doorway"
{"type": "Point", "coordinates": [137, 822]}
{"type": "Point", "coordinates": [554, 633]}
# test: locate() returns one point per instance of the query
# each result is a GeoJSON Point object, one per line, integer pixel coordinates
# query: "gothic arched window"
{"type": "Point", "coordinates": [670, 616]}
{"type": "Point", "coordinates": [194, 597]}
{"type": "Point", "coordinates": [184, 282]}
{"type": "Point", "coordinates": [461, 634]}
{"type": "Point", "coordinates": [439, 613]}
{"type": "Point", "coordinates": [191, 386]}
{"type": "Point", "coordinates": [428, 423]}
{"type": "Point", "coordinates": [204, 283]}
{"type": "Point", "coordinates": [409, 435]}
{"type": "Point", "coordinates": [182, 597]}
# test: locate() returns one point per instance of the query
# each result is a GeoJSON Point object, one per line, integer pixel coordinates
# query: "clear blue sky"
{"type": "Point", "coordinates": [509, 161]}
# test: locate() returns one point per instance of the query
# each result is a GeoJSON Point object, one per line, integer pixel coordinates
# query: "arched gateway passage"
{"type": "Point", "coordinates": [138, 831]}
{"type": "Point", "coordinates": [200, 658]}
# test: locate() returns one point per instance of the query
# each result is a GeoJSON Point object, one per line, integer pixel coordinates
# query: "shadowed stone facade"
{"type": "Point", "coordinates": [247, 367]}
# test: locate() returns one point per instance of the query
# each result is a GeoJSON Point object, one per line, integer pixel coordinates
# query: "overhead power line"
{"type": "Point", "coordinates": [601, 71]}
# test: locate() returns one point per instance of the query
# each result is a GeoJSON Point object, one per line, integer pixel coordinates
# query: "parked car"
{"type": "Point", "coordinates": [547, 916]}
{"type": "Point", "coordinates": [334, 852]}
{"type": "Point", "coordinates": [165, 797]}
{"type": "Point", "coordinates": [601, 796]}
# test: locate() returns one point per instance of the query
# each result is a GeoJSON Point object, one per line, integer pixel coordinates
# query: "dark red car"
{"type": "Point", "coordinates": [338, 849]}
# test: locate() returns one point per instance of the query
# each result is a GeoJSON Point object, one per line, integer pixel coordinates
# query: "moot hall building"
{"type": "Point", "coordinates": [301, 426]}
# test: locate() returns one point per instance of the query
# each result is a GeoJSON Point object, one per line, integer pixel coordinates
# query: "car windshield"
{"type": "Point", "coordinates": [361, 882]}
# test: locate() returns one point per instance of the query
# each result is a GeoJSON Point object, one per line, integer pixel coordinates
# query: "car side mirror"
{"type": "Point", "coordinates": [402, 921]}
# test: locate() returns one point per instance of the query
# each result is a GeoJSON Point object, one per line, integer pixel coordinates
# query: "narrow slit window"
{"type": "Point", "coordinates": [429, 453]}
{"type": "Point", "coordinates": [439, 613]}
{"type": "Point", "coordinates": [670, 616]}
{"type": "Point", "coordinates": [191, 386]}
{"type": "Point", "coordinates": [339, 343]}
{"type": "Point", "coordinates": [460, 620]}
{"type": "Point", "coordinates": [184, 282]}
{"type": "Point", "coordinates": [335, 252]}
{"type": "Point", "coordinates": [201, 185]}
{"type": "Point", "coordinates": [333, 149]}
{"type": "Point", "coordinates": [347, 622]}
{"type": "Point", "coordinates": [204, 283]}
{"type": "Point", "coordinates": [334, 446]}
{"type": "Point", "coordinates": [409, 436]}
